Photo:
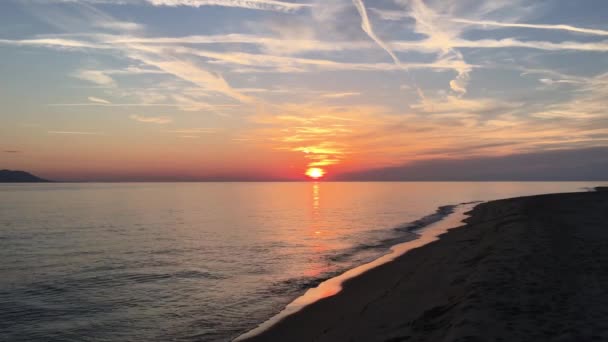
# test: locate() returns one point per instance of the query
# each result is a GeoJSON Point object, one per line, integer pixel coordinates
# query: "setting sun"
{"type": "Point", "coordinates": [315, 172]}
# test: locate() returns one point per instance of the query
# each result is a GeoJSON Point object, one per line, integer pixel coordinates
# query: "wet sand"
{"type": "Point", "coordinates": [523, 269]}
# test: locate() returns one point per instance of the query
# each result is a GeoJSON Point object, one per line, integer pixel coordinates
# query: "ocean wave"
{"type": "Point", "coordinates": [427, 220]}
{"type": "Point", "coordinates": [362, 253]}
{"type": "Point", "coordinates": [402, 233]}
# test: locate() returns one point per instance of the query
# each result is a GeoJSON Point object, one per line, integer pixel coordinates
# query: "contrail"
{"type": "Point", "coordinates": [533, 26]}
{"type": "Point", "coordinates": [366, 25]}
{"type": "Point", "coordinates": [264, 5]}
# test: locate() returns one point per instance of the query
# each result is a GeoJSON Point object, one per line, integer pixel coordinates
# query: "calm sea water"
{"type": "Point", "coordinates": [195, 261]}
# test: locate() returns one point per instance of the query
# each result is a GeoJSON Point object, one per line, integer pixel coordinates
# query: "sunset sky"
{"type": "Point", "coordinates": [253, 90]}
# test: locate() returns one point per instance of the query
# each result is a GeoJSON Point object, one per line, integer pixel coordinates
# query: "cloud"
{"type": "Point", "coordinates": [284, 64]}
{"type": "Point", "coordinates": [89, 2]}
{"type": "Point", "coordinates": [122, 104]}
{"type": "Point", "coordinates": [389, 14]}
{"type": "Point", "coordinates": [514, 43]}
{"type": "Point", "coordinates": [12, 151]}
{"type": "Point", "coordinates": [132, 70]}
{"type": "Point", "coordinates": [340, 95]}
{"type": "Point", "coordinates": [279, 45]}
{"type": "Point", "coordinates": [441, 36]}
{"type": "Point", "coordinates": [325, 135]}
{"type": "Point", "coordinates": [549, 81]}
{"type": "Point", "coordinates": [200, 70]}
{"type": "Point", "coordinates": [153, 56]}
{"type": "Point", "coordinates": [111, 42]}
{"type": "Point", "coordinates": [119, 25]}
{"type": "Point", "coordinates": [194, 131]}
{"type": "Point", "coordinates": [189, 104]}
{"type": "Point", "coordinates": [98, 100]}
{"type": "Point", "coordinates": [454, 104]}
{"type": "Point", "coordinates": [588, 102]}
{"type": "Point", "coordinates": [267, 5]}
{"type": "Point", "coordinates": [95, 76]}
{"type": "Point", "coordinates": [60, 43]}
{"type": "Point", "coordinates": [181, 102]}
{"type": "Point", "coordinates": [185, 70]}
{"type": "Point", "coordinates": [489, 24]}
{"type": "Point", "coordinates": [160, 120]}
{"type": "Point", "coordinates": [74, 133]}
{"type": "Point", "coordinates": [555, 165]}
{"type": "Point", "coordinates": [264, 5]}
{"type": "Point", "coordinates": [366, 26]}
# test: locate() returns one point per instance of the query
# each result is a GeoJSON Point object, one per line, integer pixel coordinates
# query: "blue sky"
{"type": "Point", "coordinates": [120, 89]}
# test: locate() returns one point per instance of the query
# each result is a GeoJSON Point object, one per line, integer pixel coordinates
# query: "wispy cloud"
{"type": "Point", "coordinates": [58, 43]}
{"type": "Point", "coordinates": [440, 35]}
{"type": "Point", "coordinates": [268, 5]}
{"type": "Point", "coordinates": [95, 76]}
{"type": "Point", "coordinates": [88, 2]}
{"type": "Point", "coordinates": [366, 26]}
{"type": "Point", "coordinates": [273, 44]}
{"type": "Point", "coordinates": [181, 102]}
{"type": "Point", "coordinates": [132, 70]}
{"type": "Point", "coordinates": [185, 70]}
{"type": "Point", "coordinates": [497, 24]}
{"type": "Point", "coordinates": [425, 46]}
{"type": "Point", "coordinates": [390, 14]}
{"type": "Point", "coordinates": [429, 46]}
{"type": "Point", "coordinates": [98, 100]}
{"type": "Point", "coordinates": [118, 25]}
{"type": "Point", "coordinates": [151, 56]}
{"type": "Point", "coordinates": [160, 120]}
{"type": "Point", "coordinates": [340, 95]}
{"type": "Point", "coordinates": [587, 104]}
{"type": "Point", "coordinates": [194, 131]}
{"type": "Point", "coordinates": [264, 5]}
{"type": "Point", "coordinates": [74, 133]}
{"type": "Point", "coordinates": [250, 83]}
{"type": "Point", "coordinates": [93, 104]}
{"type": "Point", "coordinates": [12, 151]}
{"type": "Point", "coordinates": [549, 81]}
{"type": "Point", "coordinates": [286, 64]}
{"type": "Point", "coordinates": [324, 139]}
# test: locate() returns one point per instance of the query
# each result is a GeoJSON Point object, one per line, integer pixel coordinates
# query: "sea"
{"type": "Point", "coordinates": [199, 261]}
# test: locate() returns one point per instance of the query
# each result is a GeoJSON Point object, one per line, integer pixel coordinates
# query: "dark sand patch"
{"type": "Point", "coordinates": [523, 269]}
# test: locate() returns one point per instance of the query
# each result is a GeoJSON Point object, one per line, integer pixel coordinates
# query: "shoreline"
{"type": "Point", "coordinates": [428, 233]}
{"type": "Point", "coordinates": [519, 271]}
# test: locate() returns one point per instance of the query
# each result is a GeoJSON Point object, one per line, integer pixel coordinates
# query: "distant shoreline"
{"type": "Point", "coordinates": [528, 268]}
{"type": "Point", "coordinates": [18, 176]}
{"type": "Point", "coordinates": [303, 181]}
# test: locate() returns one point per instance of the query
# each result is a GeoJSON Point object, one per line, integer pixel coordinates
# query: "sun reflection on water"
{"type": "Point", "coordinates": [316, 197]}
{"type": "Point", "coordinates": [317, 234]}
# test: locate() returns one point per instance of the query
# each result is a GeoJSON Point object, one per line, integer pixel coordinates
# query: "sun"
{"type": "Point", "coordinates": [315, 172]}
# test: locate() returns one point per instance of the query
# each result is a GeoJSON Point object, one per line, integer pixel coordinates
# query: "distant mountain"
{"type": "Point", "coordinates": [9, 176]}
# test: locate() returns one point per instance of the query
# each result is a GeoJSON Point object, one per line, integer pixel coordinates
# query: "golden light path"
{"type": "Point", "coordinates": [334, 285]}
{"type": "Point", "coordinates": [315, 172]}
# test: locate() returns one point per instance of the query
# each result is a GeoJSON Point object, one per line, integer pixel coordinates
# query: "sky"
{"type": "Point", "coordinates": [267, 89]}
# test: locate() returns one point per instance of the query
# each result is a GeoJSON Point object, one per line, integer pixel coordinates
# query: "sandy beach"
{"type": "Point", "coordinates": [522, 269]}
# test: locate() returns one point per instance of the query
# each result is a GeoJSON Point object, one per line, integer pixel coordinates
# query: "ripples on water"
{"type": "Point", "coordinates": [196, 262]}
